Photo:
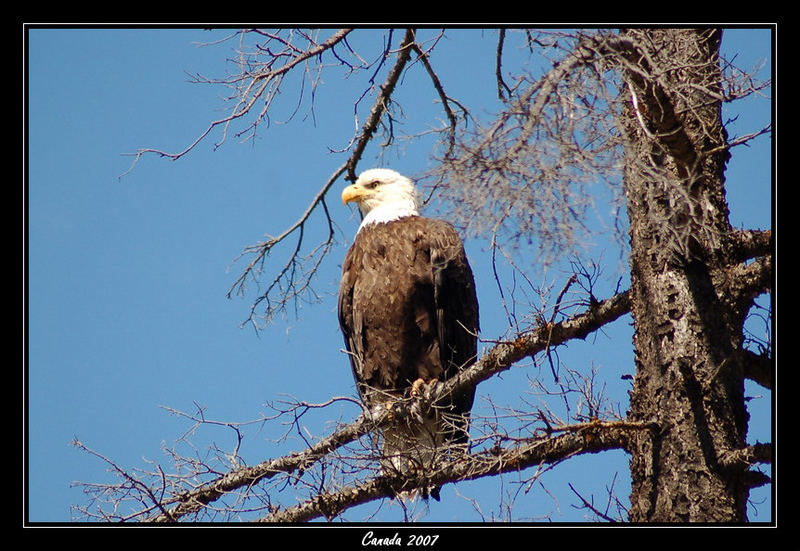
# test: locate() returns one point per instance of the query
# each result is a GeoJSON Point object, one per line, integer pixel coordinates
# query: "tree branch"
{"type": "Point", "coordinates": [503, 91]}
{"type": "Point", "coordinates": [757, 453]}
{"type": "Point", "coordinates": [423, 56]}
{"type": "Point", "coordinates": [381, 102]}
{"type": "Point", "coordinates": [747, 244]}
{"type": "Point", "coordinates": [579, 439]}
{"type": "Point", "coordinates": [499, 358]}
{"type": "Point", "coordinates": [249, 97]}
{"type": "Point", "coordinates": [744, 282]}
{"type": "Point", "coordinates": [261, 250]}
{"type": "Point", "coordinates": [504, 355]}
{"type": "Point", "coordinates": [758, 368]}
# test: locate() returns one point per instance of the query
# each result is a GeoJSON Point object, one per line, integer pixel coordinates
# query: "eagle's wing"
{"type": "Point", "coordinates": [456, 315]}
{"type": "Point", "coordinates": [350, 322]}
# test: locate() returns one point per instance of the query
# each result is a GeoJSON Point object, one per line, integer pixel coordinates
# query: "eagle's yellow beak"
{"type": "Point", "coordinates": [354, 193]}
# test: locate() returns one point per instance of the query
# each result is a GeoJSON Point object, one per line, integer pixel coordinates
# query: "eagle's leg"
{"type": "Point", "coordinates": [422, 444]}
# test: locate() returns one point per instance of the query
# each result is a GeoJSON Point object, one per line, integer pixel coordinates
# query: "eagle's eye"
{"type": "Point", "coordinates": [372, 185]}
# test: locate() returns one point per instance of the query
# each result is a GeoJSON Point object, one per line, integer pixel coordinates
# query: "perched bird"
{"type": "Point", "coordinates": [409, 315]}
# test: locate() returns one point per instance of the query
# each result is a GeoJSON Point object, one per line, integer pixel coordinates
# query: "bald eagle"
{"type": "Point", "coordinates": [409, 315]}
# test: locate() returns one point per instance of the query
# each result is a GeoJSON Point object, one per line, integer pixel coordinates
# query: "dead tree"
{"type": "Point", "coordinates": [646, 100]}
{"type": "Point", "coordinates": [692, 283]}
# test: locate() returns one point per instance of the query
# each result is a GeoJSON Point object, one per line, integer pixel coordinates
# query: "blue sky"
{"type": "Point", "coordinates": [127, 276]}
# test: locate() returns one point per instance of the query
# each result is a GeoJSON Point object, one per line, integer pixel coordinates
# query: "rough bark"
{"type": "Point", "coordinates": [688, 328]}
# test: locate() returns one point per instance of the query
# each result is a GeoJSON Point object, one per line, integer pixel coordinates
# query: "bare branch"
{"type": "Point", "coordinates": [745, 457]}
{"type": "Point", "coordinates": [496, 360]}
{"type": "Point", "coordinates": [523, 175]}
{"type": "Point", "coordinates": [504, 355]}
{"type": "Point", "coordinates": [590, 437]}
{"type": "Point", "coordinates": [381, 102]}
{"type": "Point", "coordinates": [741, 140]}
{"type": "Point", "coordinates": [743, 282]}
{"type": "Point", "coordinates": [260, 83]}
{"type": "Point", "coordinates": [503, 90]}
{"type": "Point", "coordinates": [131, 484]}
{"type": "Point", "coordinates": [284, 280]}
{"type": "Point", "coordinates": [589, 505]}
{"type": "Point", "coordinates": [759, 368]}
{"type": "Point", "coordinates": [747, 244]}
{"type": "Point", "coordinates": [423, 56]}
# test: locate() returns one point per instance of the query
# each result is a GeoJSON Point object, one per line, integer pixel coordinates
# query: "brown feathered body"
{"type": "Point", "coordinates": [408, 311]}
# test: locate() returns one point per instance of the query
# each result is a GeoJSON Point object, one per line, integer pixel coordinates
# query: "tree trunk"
{"type": "Point", "coordinates": [689, 379]}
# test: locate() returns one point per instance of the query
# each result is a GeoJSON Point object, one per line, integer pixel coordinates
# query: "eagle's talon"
{"type": "Point", "coordinates": [418, 387]}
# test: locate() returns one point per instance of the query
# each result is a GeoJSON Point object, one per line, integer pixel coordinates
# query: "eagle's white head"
{"type": "Point", "coordinates": [382, 195]}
